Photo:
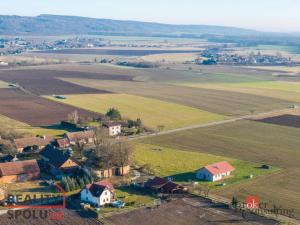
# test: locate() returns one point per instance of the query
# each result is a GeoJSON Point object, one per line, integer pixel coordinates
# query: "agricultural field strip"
{"type": "Point", "coordinates": [121, 52]}
{"type": "Point", "coordinates": [217, 101]}
{"type": "Point", "coordinates": [8, 123]}
{"type": "Point", "coordinates": [164, 162]}
{"type": "Point", "coordinates": [251, 141]}
{"type": "Point", "coordinates": [152, 112]}
{"type": "Point", "coordinates": [45, 82]}
{"type": "Point", "coordinates": [288, 91]}
{"type": "Point", "coordinates": [3, 84]}
{"type": "Point", "coordinates": [216, 123]}
{"type": "Point", "coordinates": [34, 110]}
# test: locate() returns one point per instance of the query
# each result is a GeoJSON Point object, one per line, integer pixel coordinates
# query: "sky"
{"type": "Point", "coordinates": [264, 15]}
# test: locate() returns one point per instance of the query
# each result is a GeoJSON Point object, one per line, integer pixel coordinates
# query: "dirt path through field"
{"type": "Point", "coordinates": [246, 117]}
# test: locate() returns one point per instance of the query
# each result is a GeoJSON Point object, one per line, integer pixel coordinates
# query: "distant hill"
{"type": "Point", "coordinates": [66, 25]}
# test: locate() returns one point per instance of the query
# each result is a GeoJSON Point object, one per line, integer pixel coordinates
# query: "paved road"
{"type": "Point", "coordinates": [252, 116]}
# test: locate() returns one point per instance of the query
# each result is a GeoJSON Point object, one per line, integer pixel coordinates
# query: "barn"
{"type": "Point", "coordinates": [19, 171]}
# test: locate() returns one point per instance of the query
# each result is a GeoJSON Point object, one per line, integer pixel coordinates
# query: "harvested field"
{"type": "Point", "coordinates": [34, 110]}
{"type": "Point", "coordinates": [186, 211]}
{"type": "Point", "coordinates": [44, 82]}
{"type": "Point", "coordinates": [68, 217]}
{"type": "Point", "coordinates": [151, 111]}
{"type": "Point", "coordinates": [283, 120]}
{"type": "Point", "coordinates": [221, 102]}
{"type": "Point", "coordinates": [122, 52]}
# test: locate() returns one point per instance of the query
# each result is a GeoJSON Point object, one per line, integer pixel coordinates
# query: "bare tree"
{"type": "Point", "coordinates": [160, 128]}
{"type": "Point", "coordinates": [124, 152]}
{"type": "Point", "coordinates": [104, 154]}
{"type": "Point", "coordinates": [73, 117]}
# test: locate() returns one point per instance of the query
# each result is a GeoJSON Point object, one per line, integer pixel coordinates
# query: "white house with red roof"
{"type": "Point", "coordinates": [215, 172]}
{"type": "Point", "coordinates": [99, 193]}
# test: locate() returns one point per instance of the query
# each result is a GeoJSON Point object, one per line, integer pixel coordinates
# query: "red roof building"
{"type": "Point", "coordinates": [215, 172]}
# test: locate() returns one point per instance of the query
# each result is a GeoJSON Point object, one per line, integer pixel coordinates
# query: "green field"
{"type": "Point", "coordinates": [288, 91]}
{"type": "Point", "coordinates": [152, 112]}
{"type": "Point", "coordinates": [7, 123]}
{"type": "Point", "coordinates": [226, 102]}
{"type": "Point", "coordinates": [165, 162]}
{"type": "Point", "coordinates": [249, 141]}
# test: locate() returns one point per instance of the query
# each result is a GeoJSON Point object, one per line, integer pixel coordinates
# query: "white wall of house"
{"type": "Point", "coordinates": [104, 198]}
{"type": "Point", "coordinates": [114, 130]}
{"type": "Point", "coordinates": [204, 174]}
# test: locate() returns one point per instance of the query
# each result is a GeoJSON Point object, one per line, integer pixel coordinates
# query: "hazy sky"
{"type": "Point", "coordinates": [268, 15]}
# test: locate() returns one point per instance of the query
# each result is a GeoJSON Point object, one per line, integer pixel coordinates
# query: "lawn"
{"type": "Point", "coordinates": [135, 198]}
{"type": "Point", "coordinates": [164, 162]}
{"type": "Point", "coordinates": [226, 102]}
{"type": "Point", "coordinates": [8, 123]}
{"type": "Point", "coordinates": [152, 112]}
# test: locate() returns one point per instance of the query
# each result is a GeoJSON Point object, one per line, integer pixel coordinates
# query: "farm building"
{"type": "Point", "coordinates": [32, 143]}
{"type": "Point", "coordinates": [58, 161]}
{"type": "Point", "coordinates": [85, 137]}
{"type": "Point", "coordinates": [98, 194]}
{"type": "Point", "coordinates": [162, 185]}
{"type": "Point", "coordinates": [106, 173]}
{"type": "Point", "coordinates": [114, 128]}
{"type": "Point", "coordinates": [215, 172]}
{"type": "Point", "coordinates": [19, 171]}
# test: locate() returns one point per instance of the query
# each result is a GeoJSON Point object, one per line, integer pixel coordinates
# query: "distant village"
{"type": "Point", "coordinates": [217, 56]}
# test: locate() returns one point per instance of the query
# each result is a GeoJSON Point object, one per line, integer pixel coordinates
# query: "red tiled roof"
{"type": "Point", "coordinates": [81, 135]}
{"type": "Point", "coordinates": [218, 168]}
{"type": "Point", "coordinates": [111, 124]}
{"type": "Point", "coordinates": [19, 167]}
{"type": "Point", "coordinates": [63, 142]}
{"type": "Point", "coordinates": [156, 182]}
{"type": "Point", "coordinates": [27, 142]}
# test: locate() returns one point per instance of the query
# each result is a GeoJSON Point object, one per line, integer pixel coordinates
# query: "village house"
{"type": "Point", "coordinates": [114, 128]}
{"type": "Point", "coordinates": [58, 161]}
{"type": "Point", "coordinates": [19, 171]}
{"type": "Point", "coordinates": [215, 172]}
{"type": "Point", "coordinates": [62, 143]}
{"type": "Point", "coordinates": [98, 194]}
{"type": "Point", "coordinates": [161, 185]}
{"type": "Point", "coordinates": [32, 143]}
{"type": "Point", "coordinates": [84, 137]}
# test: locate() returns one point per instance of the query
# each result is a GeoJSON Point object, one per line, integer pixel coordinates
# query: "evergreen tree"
{"type": "Point", "coordinates": [113, 114]}
{"type": "Point", "coordinates": [81, 183]}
